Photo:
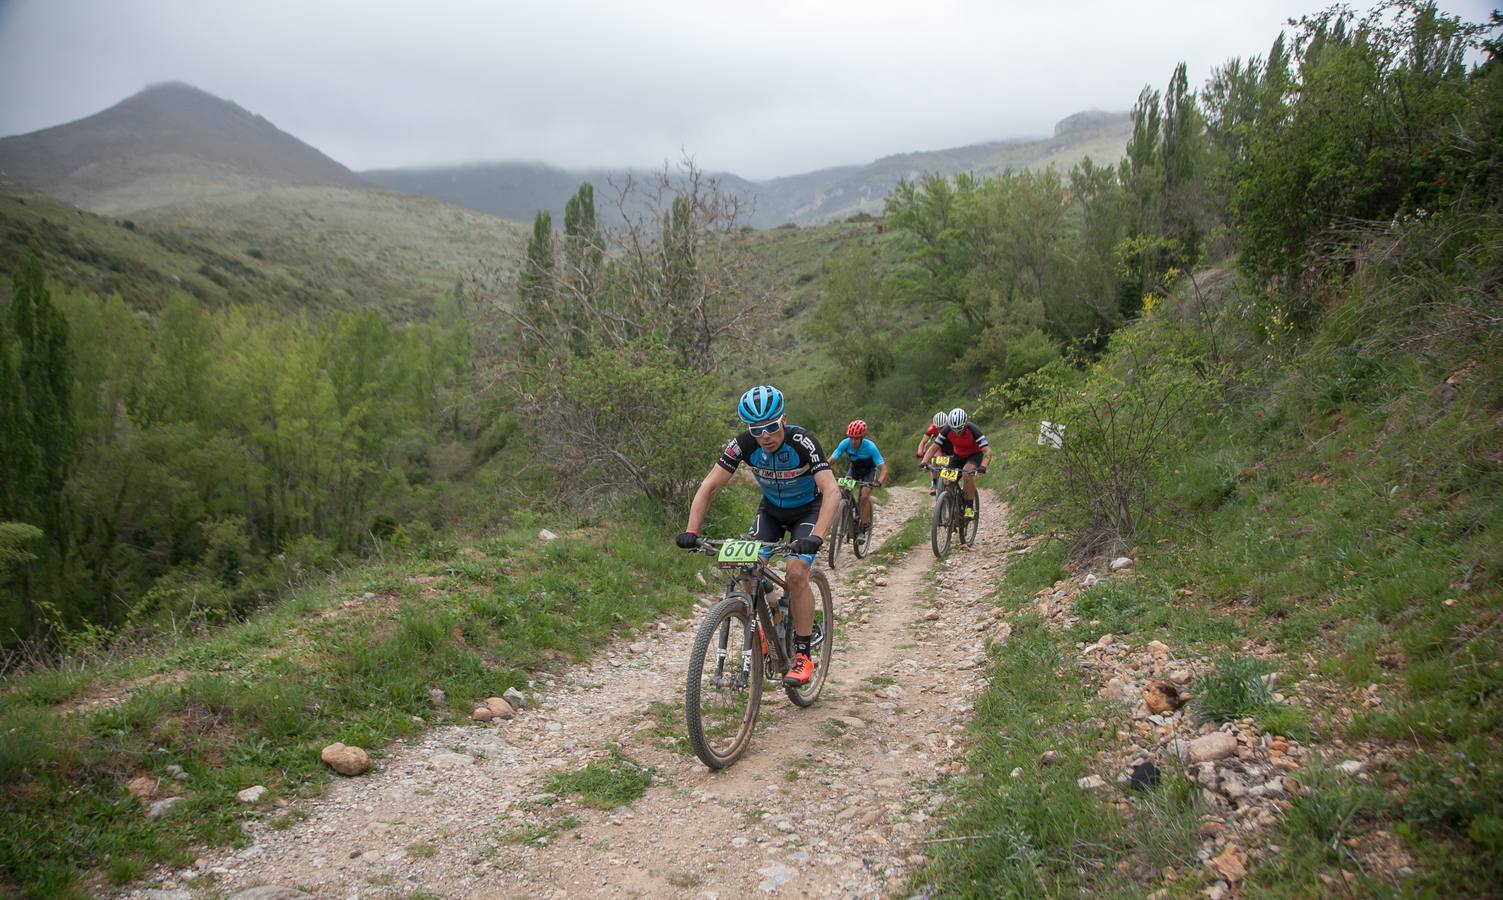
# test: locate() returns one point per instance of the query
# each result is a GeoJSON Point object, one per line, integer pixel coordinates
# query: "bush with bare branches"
{"type": "Point", "coordinates": [618, 330]}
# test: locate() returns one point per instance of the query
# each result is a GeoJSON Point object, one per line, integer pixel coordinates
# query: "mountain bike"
{"type": "Point", "coordinates": [730, 657]}
{"type": "Point", "coordinates": [848, 521]}
{"type": "Point", "coordinates": [950, 519]}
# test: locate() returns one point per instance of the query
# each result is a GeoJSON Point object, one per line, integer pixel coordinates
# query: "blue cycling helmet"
{"type": "Point", "coordinates": [760, 404]}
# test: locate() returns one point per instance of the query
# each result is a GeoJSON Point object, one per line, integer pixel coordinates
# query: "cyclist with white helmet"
{"type": "Point", "coordinates": [941, 419]}
{"type": "Point", "coordinates": [967, 447]}
{"type": "Point", "coordinates": [799, 497]}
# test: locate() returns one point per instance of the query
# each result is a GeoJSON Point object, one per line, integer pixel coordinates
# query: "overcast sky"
{"type": "Point", "coordinates": [760, 88]}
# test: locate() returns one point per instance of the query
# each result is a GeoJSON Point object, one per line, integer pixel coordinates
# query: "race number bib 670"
{"type": "Point", "coordinates": [738, 553]}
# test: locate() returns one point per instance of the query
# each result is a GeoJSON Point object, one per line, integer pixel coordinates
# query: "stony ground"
{"type": "Point", "coordinates": [835, 800]}
{"type": "Point", "coordinates": [1244, 774]}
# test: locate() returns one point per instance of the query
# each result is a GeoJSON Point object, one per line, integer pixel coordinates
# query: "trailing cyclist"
{"type": "Point", "coordinates": [799, 497]}
{"type": "Point", "coordinates": [967, 447]}
{"type": "Point", "coordinates": [941, 419]}
{"type": "Point", "coordinates": [865, 460]}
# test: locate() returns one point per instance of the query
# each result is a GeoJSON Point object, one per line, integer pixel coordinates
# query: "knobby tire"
{"type": "Point", "coordinates": [941, 530]}
{"type": "Point", "coordinates": [736, 607]}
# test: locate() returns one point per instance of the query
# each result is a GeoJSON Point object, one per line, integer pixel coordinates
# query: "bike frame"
{"type": "Point", "coordinates": [747, 581]}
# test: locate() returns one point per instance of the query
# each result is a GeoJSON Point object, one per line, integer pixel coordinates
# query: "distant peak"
{"type": "Point", "coordinates": [174, 87]}
{"type": "Point", "coordinates": [1088, 120]}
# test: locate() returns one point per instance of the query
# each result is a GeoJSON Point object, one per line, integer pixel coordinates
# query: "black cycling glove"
{"type": "Point", "coordinates": [981, 470]}
{"type": "Point", "coordinates": [808, 546]}
{"type": "Point", "coordinates": [687, 541]}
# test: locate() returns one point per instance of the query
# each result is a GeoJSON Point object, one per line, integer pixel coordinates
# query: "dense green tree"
{"type": "Point", "coordinates": [943, 253]}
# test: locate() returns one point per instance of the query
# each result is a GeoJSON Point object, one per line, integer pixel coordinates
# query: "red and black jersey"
{"type": "Point", "coordinates": [932, 431]}
{"type": "Point", "coordinates": [962, 442]}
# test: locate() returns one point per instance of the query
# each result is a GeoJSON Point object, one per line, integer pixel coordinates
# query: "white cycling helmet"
{"type": "Point", "coordinates": [941, 419]}
{"type": "Point", "coordinates": [958, 418]}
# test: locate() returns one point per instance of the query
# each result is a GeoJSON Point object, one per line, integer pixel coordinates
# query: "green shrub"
{"type": "Point", "coordinates": [607, 783]}
{"type": "Point", "coordinates": [1235, 689]}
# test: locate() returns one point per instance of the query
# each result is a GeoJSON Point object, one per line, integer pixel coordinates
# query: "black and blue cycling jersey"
{"type": "Point", "coordinates": [786, 475]}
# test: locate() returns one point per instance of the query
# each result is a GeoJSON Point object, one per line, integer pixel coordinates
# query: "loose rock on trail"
{"type": "Point", "coordinates": [834, 800]}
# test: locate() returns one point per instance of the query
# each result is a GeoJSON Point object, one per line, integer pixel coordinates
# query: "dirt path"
{"type": "Point", "coordinates": [829, 801]}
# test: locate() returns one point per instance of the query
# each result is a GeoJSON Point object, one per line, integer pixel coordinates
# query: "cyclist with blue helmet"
{"type": "Point", "coordinates": [799, 498]}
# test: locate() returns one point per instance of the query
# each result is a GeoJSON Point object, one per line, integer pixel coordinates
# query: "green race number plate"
{"type": "Point", "coordinates": [941, 460]}
{"type": "Point", "coordinates": [950, 474]}
{"type": "Point", "coordinates": [847, 483]}
{"type": "Point", "coordinates": [738, 553]}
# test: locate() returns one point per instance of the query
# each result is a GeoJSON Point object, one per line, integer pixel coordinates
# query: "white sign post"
{"type": "Point", "coordinates": [1051, 434]}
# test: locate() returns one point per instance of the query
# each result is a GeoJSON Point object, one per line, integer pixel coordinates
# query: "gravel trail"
{"type": "Point", "coordinates": [832, 801]}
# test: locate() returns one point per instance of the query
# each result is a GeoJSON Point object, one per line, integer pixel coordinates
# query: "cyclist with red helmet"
{"type": "Point", "coordinates": [865, 459]}
{"type": "Point", "coordinates": [941, 419]}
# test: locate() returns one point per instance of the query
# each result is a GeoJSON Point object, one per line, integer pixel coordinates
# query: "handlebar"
{"type": "Point", "coordinates": [937, 469]}
{"type": "Point", "coordinates": [711, 546]}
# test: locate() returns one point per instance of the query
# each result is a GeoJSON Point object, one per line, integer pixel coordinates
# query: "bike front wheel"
{"type": "Point", "coordinates": [724, 689]}
{"type": "Point", "coordinates": [822, 648]}
{"type": "Point", "coordinates": [942, 528]}
{"type": "Point", "coordinates": [970, 525]}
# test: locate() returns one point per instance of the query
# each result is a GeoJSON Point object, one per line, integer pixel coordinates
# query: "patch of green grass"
{"type": "Point", "coordinates": [289, 819]}
{"type": "Point", "coordinates": [915, 530]}
{"type": "Point", "coordinates": [543, 834]}
{"type": "Point", "coordinates": [422, 851]}
{"type": "Point", "coordinates": [1236, 688]}
{"type": "Point", "coordinates": [1289, 721]}
{"type": "Point", "coordinates": [668, 726]}
{"type": "Point", "coordinates": [795, 769]}
{"type": "Point", "coordinates": [605, 784]}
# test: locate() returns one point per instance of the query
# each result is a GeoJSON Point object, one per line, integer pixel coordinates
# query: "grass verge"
{"type": "Point", "coordinates": [352, 661]}
{"type": "Point", "coordinates": [1039, 833]}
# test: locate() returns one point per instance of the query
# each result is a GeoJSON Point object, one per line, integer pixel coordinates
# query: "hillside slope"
{"type": "Point", "coordinates": [305, 246]}
{"type": "Point", "coordinates": [168, 143]}
{"type": "Point", "coordinates": [519, 190]}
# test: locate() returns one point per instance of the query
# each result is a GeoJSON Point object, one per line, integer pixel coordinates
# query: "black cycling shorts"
{"type": "Point", "coordinates": [960, 462]}
{"type": "Point", "coordinates": [772, 522]}
{"type": "Point", "coordinates": [867, 472]}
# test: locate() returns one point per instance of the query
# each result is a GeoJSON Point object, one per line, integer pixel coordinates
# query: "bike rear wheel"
{"type": "Point", "coordinates": [942, 528]}
{"type": "Point", "coordinates": [822, 652]}
{"type": "Point", "coordinates": [837, 532]}
{"type": "Point", "coordinates": [724, 690]}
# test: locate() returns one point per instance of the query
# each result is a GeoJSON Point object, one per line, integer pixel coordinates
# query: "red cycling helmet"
{"type": "Point", "coordinates": [856, 429]}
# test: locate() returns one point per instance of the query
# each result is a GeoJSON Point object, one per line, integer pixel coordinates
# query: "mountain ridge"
{"type": "Point", "coordinates": [162, 140]}
{"type": "Point", "coordinates": [172, 145]}
{"type": "Point", "coordinates": [821, 195]}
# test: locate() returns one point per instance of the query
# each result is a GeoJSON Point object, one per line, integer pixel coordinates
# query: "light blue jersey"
{"type": "Point", "coordinates": [864, 459]}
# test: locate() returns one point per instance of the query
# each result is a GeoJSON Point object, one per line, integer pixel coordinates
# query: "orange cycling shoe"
{"type": "Point", "coordinates": [801, 671]}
